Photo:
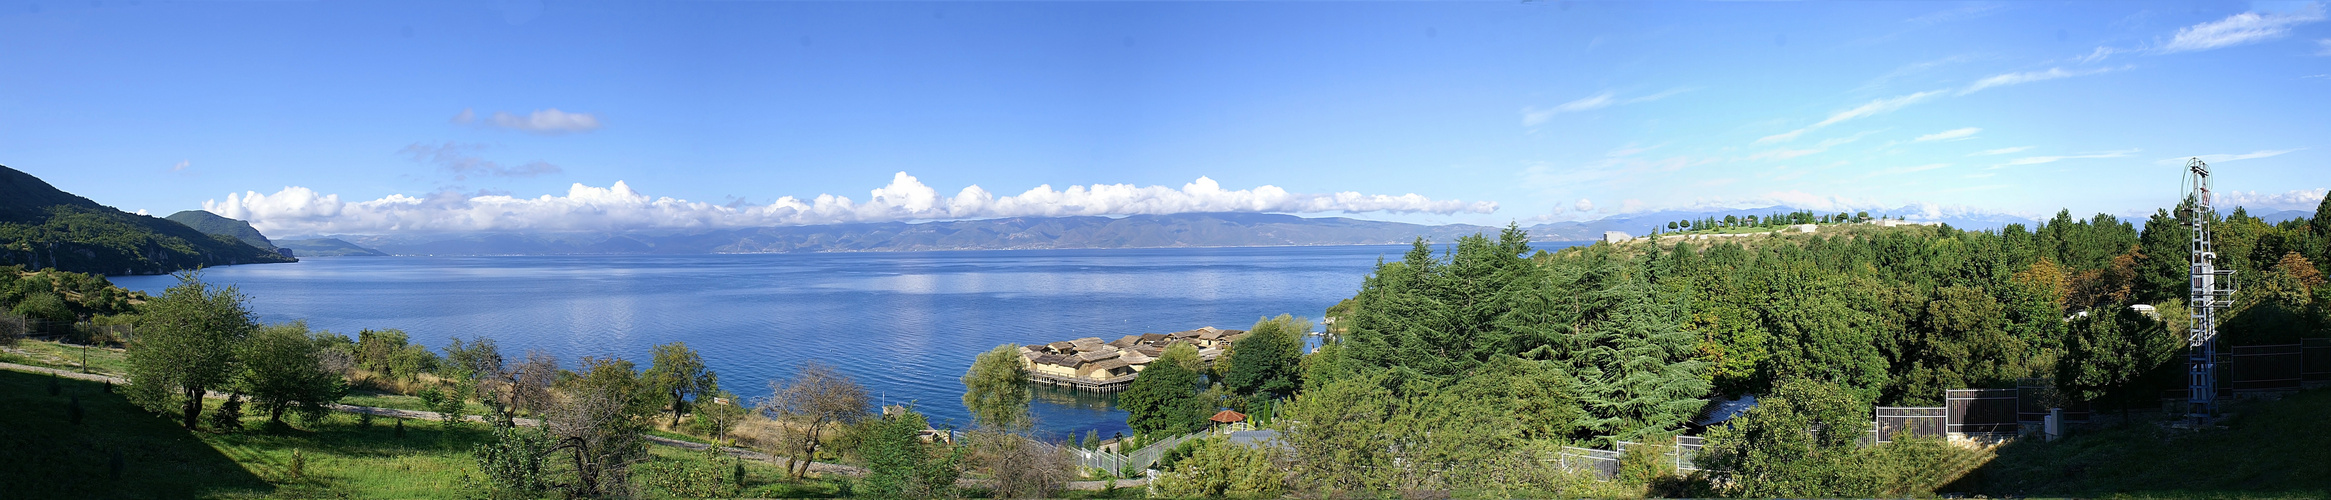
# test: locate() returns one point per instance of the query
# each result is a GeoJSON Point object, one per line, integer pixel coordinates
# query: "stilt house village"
{"type": "Point", "coordinates": [1092, 364]}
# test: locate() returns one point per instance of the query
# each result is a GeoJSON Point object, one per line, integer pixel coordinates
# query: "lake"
{"type": "Point", "coordinates": [905, 325]}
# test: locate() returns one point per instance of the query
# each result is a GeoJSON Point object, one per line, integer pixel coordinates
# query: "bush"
{"type": "Point", "coordinates": [12, 329]}
{"type": "Point", "coordinates": [512, 462]}
{"type": "Point", "coordinates": [683, 479]}
{"type": "Point", "coordinates": [229, 417]}
{"type": "Point", "coordinates": [1218, 468]}
{"type": "Point", "coordinates": [1645, 463]}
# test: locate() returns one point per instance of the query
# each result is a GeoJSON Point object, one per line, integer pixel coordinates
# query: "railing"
{"type": "Point", "coordinates": [1142, 458]}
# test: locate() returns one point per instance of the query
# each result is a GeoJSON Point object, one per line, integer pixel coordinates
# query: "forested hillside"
{"type": "Point", "coordinates": [42, 227]}
{"type": "Point", "coordinates": [212, 224]}
{"type": "Point", "coordinates": [1474, 361]}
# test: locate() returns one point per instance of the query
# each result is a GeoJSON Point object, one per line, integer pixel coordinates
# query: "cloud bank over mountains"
{"type": "Point", "coordinates": [298, 210]}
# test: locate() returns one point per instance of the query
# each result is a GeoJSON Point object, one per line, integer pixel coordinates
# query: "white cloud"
{"type": "Point", "coordinates": [1584, 205]}
{"type": "Point", "coordinates": [2326, 47]}
{"type": "Point", "coordinates": [2222, 158]}
{"type": "Point", "coordinates": [2037, 160]}
{"type": "Point", "coordinates": [180, 167]}
{"type": "Point", "coordinates": [2258, 204]}
{"type": "Point", "coordinates": [1949, 135]}
{"type": "Point", "coordinates": [2000, 151]}
{"type": "Point", "coordinates": [546, 121]}
{"type": "Point", "coordinates": [2099, 55]}
{"type": "Point", "coordinates": [2241, 29]}
{"type": "Point", "coordinates": [2028, 77]}
{"type": "Point", "coordinates": [1876, 107]}
{"type": "Point", "coordinates": [1532, 116]}
{"type": "Point", "coordinates": [299, 210]}
{"type": "Point", "coordinates": [1905, 170]}
{"type": "Point", "coordinates": [460, 159]}
{"type": "Point", "coordinates": [1783, 154]}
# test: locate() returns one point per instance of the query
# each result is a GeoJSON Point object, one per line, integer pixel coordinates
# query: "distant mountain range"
{"type": "Point", "coordinates": [42, 227]}
{"type": "Point", "coordinates": [1138, 231]}
{"type": "Point", "coordinates": [328, 247]}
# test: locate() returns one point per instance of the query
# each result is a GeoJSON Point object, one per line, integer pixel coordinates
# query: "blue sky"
{"type": "Point", "coordinates": [339, 117]}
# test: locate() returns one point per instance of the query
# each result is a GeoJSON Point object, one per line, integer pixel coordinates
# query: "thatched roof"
{"type": "Point", "coordinates": [1057, 360]}
{"type": "Point", "coordinates": [1107, 364]}
{"type": "Point", "coordinates": [1135, 357]}
{"type": "Point", "coordinates": [1090, 356]}
{"type": "Point", "coordinates": [1126, 342]}
{"type": "Point", "coordinates": [1152, 337]}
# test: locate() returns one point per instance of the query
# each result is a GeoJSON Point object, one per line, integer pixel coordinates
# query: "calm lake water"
{"type": "Point", "coordinates": [906, 325]}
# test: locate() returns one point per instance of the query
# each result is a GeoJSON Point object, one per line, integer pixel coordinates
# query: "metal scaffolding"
{"type": "Point", "coordinates": [2212, 290]}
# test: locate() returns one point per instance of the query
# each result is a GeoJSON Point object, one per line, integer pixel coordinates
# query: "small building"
{"type": "Point", "coordinates": [1104, 369]}
{"type": "Point", "coordinates": [1616, 237]}
{"type": "Point", "coordinates": [1804, 228]}
{"type": "Point", "coordinates": [1054, 364]}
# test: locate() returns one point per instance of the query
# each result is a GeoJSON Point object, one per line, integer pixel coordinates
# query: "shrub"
{"type": "Point", "coordinates": [513, 461]}
{"type": "Point", "coordinates": [678, 479]}
{"type": "Point", "coordinates": [1642, 464]}
{"type": "Point", "coordinates": [229, 417]}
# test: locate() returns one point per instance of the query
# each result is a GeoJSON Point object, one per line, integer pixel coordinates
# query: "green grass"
{"type": "Point", "coordinates": [50, 354]}
{"type": "Point", "coordinates": [378, 399]}
{"type": "Point", "coordinates": [2270, 449]}
{"type": "Point", "coordinates": [47, 457]}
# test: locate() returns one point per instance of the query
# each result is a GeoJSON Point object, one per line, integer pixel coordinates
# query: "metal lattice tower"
{"type": "Point", "coordinates": [2212, 290]}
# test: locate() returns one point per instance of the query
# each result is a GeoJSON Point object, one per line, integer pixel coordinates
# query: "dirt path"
{"type": "Point", "coordinates": [815, 467]}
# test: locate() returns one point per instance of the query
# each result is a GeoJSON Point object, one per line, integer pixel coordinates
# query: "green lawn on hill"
{"type": "Point", "coordinates": [2270, 449]}
{"type": "Point", "coordinates": [46, 456]}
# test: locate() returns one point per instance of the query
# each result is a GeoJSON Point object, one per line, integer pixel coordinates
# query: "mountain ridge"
{"type": "Point", "coordinates": [42, 227]}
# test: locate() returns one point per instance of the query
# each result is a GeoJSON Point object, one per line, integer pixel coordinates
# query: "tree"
{"type": "Point", "coordinates": [719, 415]}
{"type": "Point", "coordinates": [996, 389]}
{"type": "Point", "coordinates": [283, 370]}
{"type": "Point", "coordinates": [377, 350]}
{"type": "Point", "coordinates": [480, 359]}
{"type": "Point", "coordinates": [595, 426]}
{"type": "Point", "coordinates": [1017, 466]}
{"type": "Point", "coordinates": [1265, 363]}
{"type": "Point", "coordinates": [1792, 444]}
{"type": "Point", "coordinates": [900, 465]}
{"type": "Point", "coordinates": [1220, 469]}
{"type": "Point", "coordinates": [816, 399]}
{"type": "Point", "coordinates": [1164, 400]}
{"type": "Point", "coordinates": [2108, 349]}
{"type": "Point", "coordinates": [186, 346]}
{"type": "Point", "coordinates": [1671, 225]}
{"type": "Point", "coordinates": [678, 374]}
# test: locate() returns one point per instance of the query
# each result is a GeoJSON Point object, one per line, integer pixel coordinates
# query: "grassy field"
{"type": "Point", "coordinates": [2270, 449]}
{"type": "Point", "coordinates": [47, 354]}
{"type": "Point", "coordinates": [50, 457]}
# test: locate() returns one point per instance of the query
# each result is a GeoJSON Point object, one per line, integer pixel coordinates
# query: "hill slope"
{"type": "Point", "coordinates": [213, 224]}
{"type": "Point", "coordinates": [2269, 449]}
{"type": "Point", "coordinates": [42, 227]}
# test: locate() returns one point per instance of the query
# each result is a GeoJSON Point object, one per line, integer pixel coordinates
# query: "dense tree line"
{"type": "Point", "coordinates": [1464, 369]}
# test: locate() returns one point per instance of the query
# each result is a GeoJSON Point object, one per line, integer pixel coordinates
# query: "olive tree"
{"type": "Point", "coordinates": [283, 369]}
{"type": "Point", "coordinates": [996, 389]}
{"type": "Point", "coordinates": [186, 346]}
{"type": "Point", "coordinates": [677, 374]}
{"type": "Point", "coordinates": [814, 401]}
